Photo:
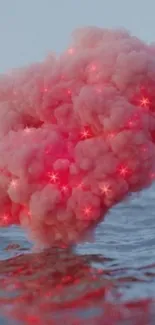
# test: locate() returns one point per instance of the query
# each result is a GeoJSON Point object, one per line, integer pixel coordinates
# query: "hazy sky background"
{"type": "Point", "coordinates": [29, 29]}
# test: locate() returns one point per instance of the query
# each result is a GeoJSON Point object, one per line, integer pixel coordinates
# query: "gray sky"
{"type": "Point", "coordinates": [29, 29]}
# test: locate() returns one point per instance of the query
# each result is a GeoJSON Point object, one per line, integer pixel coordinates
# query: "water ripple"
{"type": "Point", "coordinates": [109, 281]}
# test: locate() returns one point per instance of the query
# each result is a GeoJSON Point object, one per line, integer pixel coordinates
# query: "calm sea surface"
{"type": "Point", "coordinates": [109, 281]}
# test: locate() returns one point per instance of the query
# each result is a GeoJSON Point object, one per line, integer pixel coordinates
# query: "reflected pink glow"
{"type": "Point", "coordinates": [56, 286]}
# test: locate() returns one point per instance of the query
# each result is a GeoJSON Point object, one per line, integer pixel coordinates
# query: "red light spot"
{"type": "Point", "coordinates": [53, 177]}
{"type": "Point", "coordinates": [64, 188]}
{"type": "Point", "coordinates": [144, 149]}
{"type": "Point", "coordinates": [93, 67]}
{"type": "Point", "coordinates": [134, 121]}
{"type": "Point", "coordinates": [29, 214]}
{"type": "Point", "coordinates": [152, 176]}
{"type": "Point", "coordinates": [130, 123]}
{"type": "Point", "coordinates": [111, 135]}
{"type": "Point", "coordinates": [14, 183]}
{"type": "Point", "coordinates": [145, 102]}
{"type": "Point", "coordinates": [105, 189]}
{"type": "Point", "coordinates": [80, 185]}
{"type": "Point", "coordinates": [27, 130]}
{"type": "Point", "coordinates": [45, 90]}
{"type": "Point", "coordinates": [5, 218]}
{"type": "Point", "coordinates": [124, 171]}
{"type": "Point", "coordinates": [71, 50]}
{"type": "Point", "coordinates": [87, 211]}
{"type": "Point", "coordinates": [86, 133]}
{"type": "Point", "coordinates": [100, 271]}
{"type": "Point", "coordinates": [69, 92]}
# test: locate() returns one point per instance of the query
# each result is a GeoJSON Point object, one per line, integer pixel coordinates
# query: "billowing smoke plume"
{"type": "Point", "coordinates": [77, 134]}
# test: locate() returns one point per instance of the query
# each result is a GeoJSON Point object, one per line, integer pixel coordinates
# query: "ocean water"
{"type": "Point", "coordinates": [108, 281]}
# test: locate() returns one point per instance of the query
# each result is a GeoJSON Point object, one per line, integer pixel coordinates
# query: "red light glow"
{"type": "Point", "coordinates": [64, 188]}
{"type": "Point", "coordinates": [85, 134]}
{"type": "Point", "coordinates": [111, 135]}
{"type": "Point", "coordinates": [93, 67]}
{"type": "Point", "coordinates": [53, 177]}
{"type": "Point", "coordinates": [5, 218]}
{"type": "Point", "coordinates": [105, 189]}
{"type": "Point", "coordinates": [145, 102]}
{"type": "Point", "coordinates": [14, 183]}
{"type": "Point", "coordinates": [27, 130]}
{"type": "Point", "coordinates": [69, 92]}
{"type": "Point", "coordinates": [80, 185]}
{"type": "Point", "coordinates": [124, 171]}
{"type": "Point", "coordinates": [87, 211]}
{"type": "Point", "coordinates": [71, 50]}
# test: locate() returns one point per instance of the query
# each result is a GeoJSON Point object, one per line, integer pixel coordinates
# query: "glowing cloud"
{"type": "Point", "coordinates": [77, 135]}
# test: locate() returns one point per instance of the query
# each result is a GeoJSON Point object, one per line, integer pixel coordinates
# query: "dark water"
{"type": "Point", "coordinates": [110, 281]}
